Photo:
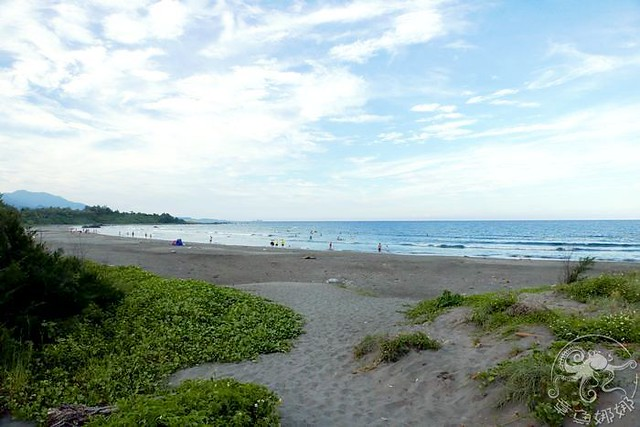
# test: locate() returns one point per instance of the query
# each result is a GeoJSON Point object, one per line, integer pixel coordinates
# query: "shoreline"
{"type": "Point", "coordinates": [610, 241]}
{"type": "Point", "coordinates": [385, 274]}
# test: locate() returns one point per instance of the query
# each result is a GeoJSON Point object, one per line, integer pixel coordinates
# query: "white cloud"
{"type": "Point", "coordinates": [512, 103]}
{"type": "Point", "coordinates": [441, 117]}
{"type": "Point", "coordinates": [461, 45]}
{"type": "Point", "coordinates": [493, 96]}
{"type": "Point", "coordinates": [361, 118]}
{"type": "Point", "coordinates": [163, 20]}
{"type": "Point", "coordinates": [167, 19]}
{"type": "Point", "coordinates": [578, 65]}
{"type": "Point", "coordinates": [388, 26]}
{"type": "Point", "coordinates": [125, 28]}
{"type": "Point", "coordinates": [121, 89]}
{"type": "Point", "coordinates": [432, 108]}
{"type": "Point", "coordinates": [567, 152]}
{"type": "Point", "coordinates": [114, 77]}
{"type": "Point", "coordinates": [412, 27]}
{"type": "Point", "coordinates": [391, 137]}
{"type": "Point", "coordinates": [252, 29]}
{"type": "Point", "coordinates": [72, 23]}
{"type": "Point", "coordinates": [446, 130]}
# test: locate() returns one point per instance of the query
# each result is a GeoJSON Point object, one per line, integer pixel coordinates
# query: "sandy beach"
{"type": "Point", "coordinates": [382, 274]}
{"type": "Point", "coordinates": [344, 296]}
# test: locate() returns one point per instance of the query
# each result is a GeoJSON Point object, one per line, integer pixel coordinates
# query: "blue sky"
{"type": "Point", "coordinates": [325, 110]}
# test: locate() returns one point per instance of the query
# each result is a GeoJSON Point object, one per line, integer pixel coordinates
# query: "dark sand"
{"type": "Point", "coordinates": [382, 274]}
{"type": "Point", "coordinates": [345, 296]}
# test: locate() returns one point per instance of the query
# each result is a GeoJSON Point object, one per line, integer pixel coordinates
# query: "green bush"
{"type": "Point", "coordinates": [489, 310]}
{"type": "Point", "coordinates": [526, 380]}
{"type": "Point", "coordinates": [429, 310]}
{"type": "Point", "coordinates": [39, 288]}
{"type": "Point", "coordinates": [223, 402]}
{"type": "Point", "coordinates": [622, 327]}
{"type": "Point", "coordinates": [368, 345]}
{"type": "Point", "coordinates": [573, 271]}
{"type": "Point", "coordinates": [392, 349]}
{"type": "Point", "coordinates": [625, 286]}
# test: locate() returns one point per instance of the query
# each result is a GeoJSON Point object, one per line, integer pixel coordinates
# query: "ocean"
{"type": "Point", "coordinates": [606, 240]}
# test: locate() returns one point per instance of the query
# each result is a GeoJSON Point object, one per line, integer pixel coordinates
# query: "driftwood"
{"type": "Point", "coordinates": [525, 334]}
{"type": "Point", "coordinates": [75, 415]}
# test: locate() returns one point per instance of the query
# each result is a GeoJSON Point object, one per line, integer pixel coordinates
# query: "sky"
{"type": "Point", "coordinates": [327, 110]}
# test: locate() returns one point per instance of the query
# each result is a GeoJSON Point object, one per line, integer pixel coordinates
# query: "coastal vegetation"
{"type": "Point", "coordinates": [79, 333]}
{"type": "Point", "coordinates": [93, 215]}
{"type": "Point", "coordinates": [384, 348]}
{"type": "Point", "coordinates": [609, 309]}
{"type": "Point", "coordinates": [573, 271]}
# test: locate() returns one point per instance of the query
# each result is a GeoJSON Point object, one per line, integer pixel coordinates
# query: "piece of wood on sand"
{"type": "Point", "coordinates": [75, 415]}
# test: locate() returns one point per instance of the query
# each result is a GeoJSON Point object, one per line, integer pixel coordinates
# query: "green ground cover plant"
{"type": "Point", "coordinates": [391, 349]}
{"type": "Point", "coordinates": [161, 325]}
{"type": "Point", "coordinates": [198, 403]}
{"type": "Point", "coordinates": [616, 295]}
{"type": "Point", "coordinates": [624, 286]}
{"type": "Point", "coordinates": [489, 311]}
{"type": "Point", "coordinates": [428, 310]}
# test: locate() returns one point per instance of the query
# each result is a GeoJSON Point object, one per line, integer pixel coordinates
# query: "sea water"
{"type": "Point", "coordinates": [606, 240]}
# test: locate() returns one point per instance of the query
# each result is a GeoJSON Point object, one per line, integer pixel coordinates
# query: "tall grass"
{"type": "Point", "coordinates": [573, 271]}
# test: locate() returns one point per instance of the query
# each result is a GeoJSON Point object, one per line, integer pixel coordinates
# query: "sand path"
{"type": "Point", "coordinates": [317, 383]}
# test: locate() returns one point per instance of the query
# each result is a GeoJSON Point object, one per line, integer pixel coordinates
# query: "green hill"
{"type": "Point", "coordinates": [93, 215]}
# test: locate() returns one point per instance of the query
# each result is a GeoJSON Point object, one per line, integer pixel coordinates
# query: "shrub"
{"type": "Point", "coordinates": [573, 271]}
{"type": "Point", "coordinates": [625, 286]}
{"type": "Point", "coordinates": [223, 402]}
{"type": "Point", "coordinates": [489, 310]}
{"type": "Point", "coordinates": [38, 287]}
{"type": "Point", "coordinates": [526, 380]}
{"type": "Point", "coordinates": [622, 327]}
{"type": "Point", "coordinates": [429, 310]}
{"type": "Point", "coordinates": [392, 349]}
{"type": "Point", "coordinates": [368, 345]}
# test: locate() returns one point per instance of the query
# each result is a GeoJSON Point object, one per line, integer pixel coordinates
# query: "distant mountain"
{"type": "Point", "coordinates": [28, 199]}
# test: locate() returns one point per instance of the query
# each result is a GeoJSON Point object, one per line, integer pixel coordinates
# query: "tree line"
{"type": "Point", "coordinates": [92, 215]}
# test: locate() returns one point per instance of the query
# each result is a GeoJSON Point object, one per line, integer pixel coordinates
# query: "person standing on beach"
{"type": "Point", "coordinates": [379, 247]}
{"type": "Point", "coordinates": [330, 245]}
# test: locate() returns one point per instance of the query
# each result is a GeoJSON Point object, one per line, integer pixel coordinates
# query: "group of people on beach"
{"type": "Point", "coordinates": [133, 234]}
